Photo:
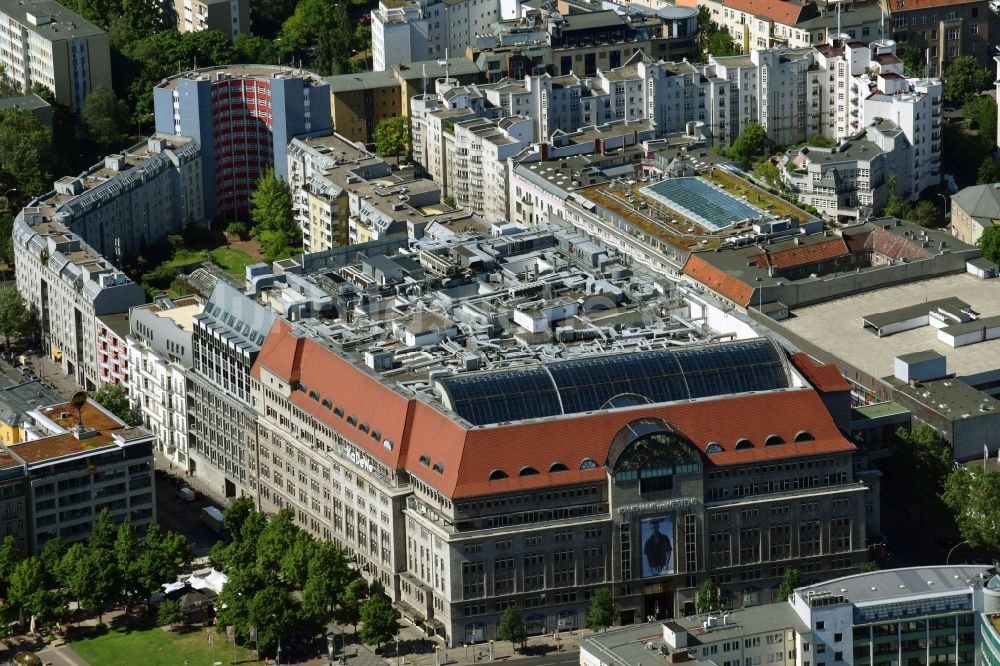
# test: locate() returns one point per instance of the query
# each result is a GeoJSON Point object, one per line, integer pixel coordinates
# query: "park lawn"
{"type": "Point", "coordinates": [156, 647]}
{"type": "Point", "coordinates": [232, 260]}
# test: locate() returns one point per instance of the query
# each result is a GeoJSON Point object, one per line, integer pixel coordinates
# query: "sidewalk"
{"type": "Point", "coordinates": [420, 650]}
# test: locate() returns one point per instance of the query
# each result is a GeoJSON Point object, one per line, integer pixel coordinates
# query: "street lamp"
{"type": "Point", "coordinates": [945, 200]}
{"type": "Point", "coordinates": [277, 659]}
{"type": "Point", "coordinates": [948, 559]}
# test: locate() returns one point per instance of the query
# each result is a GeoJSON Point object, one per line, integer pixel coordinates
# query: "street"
{"type": "Point", "coordinates": [182, 517]}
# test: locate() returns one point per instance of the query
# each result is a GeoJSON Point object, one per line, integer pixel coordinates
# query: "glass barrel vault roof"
{"type": "Point", "coordinates": [588, 384]}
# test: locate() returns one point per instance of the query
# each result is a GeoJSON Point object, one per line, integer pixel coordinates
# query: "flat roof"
{"type": "Point", "coordinates": [972, 325]}
{"type": "Point", "coordinates": [949, 398]}
{"type": "Point", "coordinates": [64, 24]}
{"type": "Point", "coordinates": [65, 442]}
{"type": "Point", "coordinates": [920, 356]}
{"type": "Point", "coordinates": [880, 410]}
{"type": "Point", "coordinates": [834, 325]}
{"type": "Point", "coordinates": [950, 305]}
{"type": "Point", "coordinates": [890, 584]}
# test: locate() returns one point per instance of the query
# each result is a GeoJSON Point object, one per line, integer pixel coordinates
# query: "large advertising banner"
{"type": "Point", "coordinates": [657, 546]}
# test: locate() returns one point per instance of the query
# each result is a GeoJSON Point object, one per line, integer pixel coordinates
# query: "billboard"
{"type": "Point", "coordinates": [657, 546]}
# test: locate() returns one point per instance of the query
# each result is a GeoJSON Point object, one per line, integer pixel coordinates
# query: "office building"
{"type": "Point", "coordinates": [161, 351]}
{"type": "Point", "coordinates": [71, 465]}
{"type": "Point", "coordinates": [405, 31]}
{"type": "Point", "coordinates": [225, 341]}
{"type": "Point", "coordinates": [241, 118]}
{"type": "Point", "coordinates": [919, 615]}
{"type": "Point", "coordinates": [43, 42]}
{"type": "Point", "coordinates": [230, 17]}
{"type": "Point", "coordinates": [465, 484]}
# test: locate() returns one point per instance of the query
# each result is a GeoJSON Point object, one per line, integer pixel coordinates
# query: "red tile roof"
{"type": "Point", "coordinates": [780, 11]}
{"type": "Point", "coordinates": [804, 254]}
{"type": "Point", "coordinates": [718, 280]}
{"type": "Point", "coordinates": [825, 377]}
{"type": "Point", "coordinates": [426, 437]}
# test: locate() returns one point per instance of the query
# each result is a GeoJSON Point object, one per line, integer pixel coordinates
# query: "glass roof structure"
{"type": "Point", "coordinates": [706, 203]}
{"type": "Point", "coordinates": [605, 382]}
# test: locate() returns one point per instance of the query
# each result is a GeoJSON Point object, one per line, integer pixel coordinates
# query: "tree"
{"type": "Point", "coordinates": [708, 598]}
{"type": "Point", "coordinates": [13, 314]}
{"type": "Point", "coordinates": [236, 229]}
{"type": "Point", "coordinates": [913, 60]}
{"type": "Point", "coordinates": [127, 561]}
{"type": "Point", "coordinates": [136, 19]}
{"type": "Point", "coordinates": [817, 140]}
{"type": "Point", "coordinates": [973, 495]}
{"type": "Point", "coordinates": [981, 111]}
{"type": "Point", "coordinates": [274, 540]}
{"type": "Point", "coordinates": [294, 565]}
{"type": "Point", "coordinates": [392, 137]}
{"type": "Point", "coordinates": [988, 172]}
{"type": "Point", "coordinates": [924, 214]}
{"type": "Point", "coordinates": [869, 567]}
{"type": "Point", "coordinates": [275, 613]}
{"type": "Point", "coordinates": [602, 611]}
{"type": "Point", "coordinates": [721, 44]}
{"type": "Point", "coordinates": [768, 172]}
{"type": "Point", "coordinates": [274, 225]}
{"type": "Point", "coordinates": [378, 620]}
{"type": "Point", "coordinates": [169, 613]}
{"type": "Point", "coordinates": [28, 593]}
{"type": "Point", "coordinates": [751, 141]}
{"type": "Point", "coordinates": [922, 460]}
{"type": "Point", "coordinates": [965, 78]}
{"type": "Point", "coordinates": [791, 580]}
{"type": "Point", "coordinates": [106, 118]}
{"type": "Point", "coordinates": [332, 54]}
{"type": "Point", "coordinates": [328, 582]}
{"type": "Point", "coordinates": [269, 14]}
{"type": "Point", "coordinates": [989, 244]}
{"type": "Point", "coordinates": [6, 239]}
{"type": "Point", "coordinates": [25, 151]}
{"type": "Point", "coordinates": [10, 555]}
{"type": "Point", "coordinates": [114, 398]}
{"type": "Point", "coordinates": [51, 556]}
{"type": "Point", "coordinates": [895, 206]}
{"type": "Point", "coordinates": [512, 627]}
{"type": "Point", "coordinates": [349, 608]}
{"type": "Point", "coordinates": [706, 27]}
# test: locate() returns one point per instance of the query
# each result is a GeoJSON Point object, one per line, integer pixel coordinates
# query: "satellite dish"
{"type": "Point", "coordinates": [79, 399]}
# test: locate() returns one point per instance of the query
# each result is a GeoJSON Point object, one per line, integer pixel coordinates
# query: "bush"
{"type": "Point", "coordinates": [237, 229]}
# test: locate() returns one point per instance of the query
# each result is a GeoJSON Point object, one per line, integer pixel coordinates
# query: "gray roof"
{"type": "Point", "coordinates": [880, 319]}
{"type": "Point", "coordinates": [972, 325]}
{"type": "Point", "coordinates": [920, 356]}
{"type": "Point", "coordinates": [897, 583]}
{"type": "Point", "coordinates": [435, 69]}
{"type": "Point", "coordinates": [23, 102]}
{"type": "Point", "coordinates": [981, 202]}
{"type": "Point", "coordinates": [16, 400]}
{"type": "Point", "coordinates": [361, 81]}
{"type": "Point", "coordinates": [230, 310]}
{"type": "Point", "coordinates": [65, 24]}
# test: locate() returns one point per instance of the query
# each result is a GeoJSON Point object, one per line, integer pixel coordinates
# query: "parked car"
{"type": "Point", "coordinates": [185, 494]}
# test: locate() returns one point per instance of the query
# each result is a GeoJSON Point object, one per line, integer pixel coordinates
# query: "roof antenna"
{"type": "Point", "coordinates": [838, 22]}
{"type": "Point", "coordinates": [881, 10]}
{"type": "Point", "coordinates": [446, 64]}
{"type": "Point", "coordinates": [424, 67]}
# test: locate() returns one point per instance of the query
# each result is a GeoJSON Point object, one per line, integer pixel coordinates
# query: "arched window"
{"type": "Point", "coordinates": [363, 427]}
{"type": "Point", "coordinates": [388, 444]}
{"type": "Point", "coordinates": [376, 435]}
{"type": "Point", "coordinates": [497, 474]}
{"type": "Point", "coordinates": [588, 463]}
{"type": "Point", "coordinates": [743, 443]}
{"type": "Point", "coordinates": [327, 404]}
{"type": "Point", "coordinates": [352, 419]}
{"type": "Point", "coordinates": [714, 447]}
{"type": "Point", "coordinates": [527, 470]}
{"type": "Point", "coordinates": [425, 460]}
{"type": "Point", "coordinates": [773, 440]}
{"type": "Point", "coordinates": [804, 436]}
{"type": "Point", "coordinates": [558, 467]}
{"type": "Point", "coordinates": [439, 468]}
{"type": "Point", "coordinates": [339, 411]}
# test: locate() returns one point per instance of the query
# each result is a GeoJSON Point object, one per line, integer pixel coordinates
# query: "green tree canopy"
{"type": "Point", "coordinates": [378, 620]}
{"type": "Point", "coordinates": [169, 613]}
{"type": "Point", "coordinates": [512, 627]}
{"type": "Point", "coordinates": [924, 214]}
{"type": "Point", "coordinates": [392, 137]}
{"type": "Point", "coordinates": [274, 225]}
{"type": "Point", "coordinates": [989, 243]}
{"type": "Point", "coordinates": [981, 111]}
{"type": "Point", "coordinates": [988, 172]}
{"type": "Point", "coordinates": [913, 60]}
{"type": "Point", "coordinates": [106, 118]}
{"type": "Point", "coordinates": [922, 459]}
{"type": "Point", "coordinates": [708, 598]}
{"type": "Point", "coordinates": [26, 152]}
{"type": "Point", "coordinates": [114, 398]}
{"type": "Point", "coordinates": [602, 611]}
{"type": "Point", "coordinates": [973, 494]}
{"type": "Point", "coordinates": [13, 314]}
{"type": "Point", "coordinates": [752, 141]}
{"type": "Point", "coordinates": [721, 44]}
{"type": "Point", "coordinates": [965, 78]}
{"type": "Point", "coordinates": [791, 580]}
{"type": "Point", "coordinates": [27, 591]}
{"type": "Point", "coordinates": [10, 555]}
{"type": "Point", "coordinates": [768, 172]}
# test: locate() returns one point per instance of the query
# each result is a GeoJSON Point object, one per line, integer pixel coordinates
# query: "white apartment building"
{"type": "Point", "coordinates": [160, 351]}
{"type": "Point", "coordinates": [408, 31]}
{"type": "Point", "coordinates": [67, 284]}
{"type": "Point", "coordinates": [849, 180]}
{"type": "Point", "coordinates": [43, 42]}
